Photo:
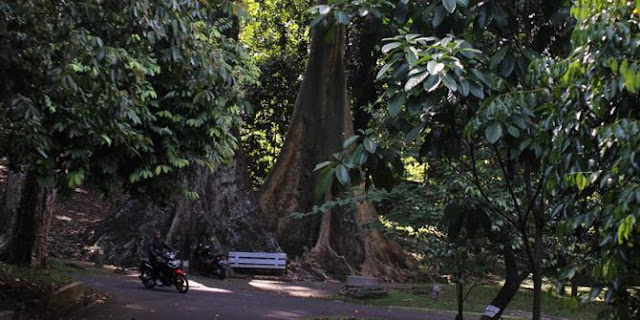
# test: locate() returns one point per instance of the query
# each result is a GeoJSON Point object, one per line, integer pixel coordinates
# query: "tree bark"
{"type": "Point", "coordinates": [18, 210]}
{"type": "Point", "coordinates": [510, 287]}
{"type": "Point", "coordinates": [321, 120]}
{"type": "Point", "coordinates": [226, 215]}
{"type": "Point", "coordinates": [537, 264]}
{"type": "Point", "coordinates": [340, 239]}
{"type": "Point", "coordinates": [9, 206]}
{"type": "Point", "coordinates": [44, 211]}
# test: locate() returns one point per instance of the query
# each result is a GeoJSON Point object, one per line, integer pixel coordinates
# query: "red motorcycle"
{"type": "Point", "coordinates": [170, 272]}
{"type": "Point", "coordinates": [212, 264]}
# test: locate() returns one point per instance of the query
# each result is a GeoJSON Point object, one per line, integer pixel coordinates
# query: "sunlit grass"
{"type": "Point", "coordinates": [553, 305]}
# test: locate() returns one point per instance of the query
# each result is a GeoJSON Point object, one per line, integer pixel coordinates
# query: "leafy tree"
{"type": "Point", "coordinates": [103, 90]}
{"type": "Point", "coordinates": [593, 114]}
{"type": "Point", "coordinates": [452, 97]}
{"type": "Point", "coordinates": [277, 33]}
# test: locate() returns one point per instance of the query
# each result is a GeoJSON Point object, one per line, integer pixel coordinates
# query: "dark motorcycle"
{"type": "Point", "coordinates": [212, 264]}
{"type": "Point", "coordinates": [171, 272]}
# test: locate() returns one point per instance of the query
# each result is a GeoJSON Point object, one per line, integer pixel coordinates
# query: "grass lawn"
{"type": "Point", "coordinates": [553, 305]}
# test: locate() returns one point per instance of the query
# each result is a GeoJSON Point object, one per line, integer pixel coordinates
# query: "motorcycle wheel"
{"type": "Point", "coordinates": [221, 273]}
{"type": "Point", "coordinates": [182, 284]}
{"type": "Point", "coordinates": [147, 278]}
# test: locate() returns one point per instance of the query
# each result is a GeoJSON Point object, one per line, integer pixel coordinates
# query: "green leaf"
{"type": "Point", "coordinates": [342, 17]}
{"type": "Point", "coordinates": [438, 16]}
{"type": "Point", "coordinates": [450, 5]}
{"type": "Point", "coordinates": [390, 46]}
{"type": "Point", "coordinates": [322, 165]}
{"type": "Point", "coordinates": [395, 104]}
{"type": "Point", "coordinates": [323, 180]}
{"type": "Point", "coordinates": [415, 80]}
{"type": "Point", "coordinates": [482, 77]}
{"type": "Point", "coordinates": [349, 141]}
{"type": "Point", "coordinates": [449, 82]}
{"type": "Point", "coordinates": [432, 83]}
{"type": "Point", "coordinates": [324, 9]}
{"type": "Point", "coordinates": [581, 181]}
{"type": "Point", "coordinates": [507, 65]}
{"type": "Point", "coordinates": [343, 175]}
{"type": "Point", "coordinates": [464, 87]}
{"type": "Point", "coordinates": [383, 70]}
{"type": "Point", "coordinates": [476, 90]}
{"type": "Point", "coordinates": [435, 67]}
{"type": "Point", "coordinates": [493, 132]}
{"type": "Point", "coordinates": [513, 131]}
{"type": "Point", "coordinates": [370, 145]}
{"type": "Point", "coordinates": [497, 57]}
{"type": "Point", "coordinates": [106, 139]}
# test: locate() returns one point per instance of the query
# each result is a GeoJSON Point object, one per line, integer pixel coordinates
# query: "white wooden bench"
{"type": "Point", "coordinates": [258, 260]}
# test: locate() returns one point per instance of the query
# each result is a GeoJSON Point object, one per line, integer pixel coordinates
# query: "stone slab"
{"type": "Point", "coordinates": [362, 282]}
{"type": "Point", "coordinates": [66, 296]}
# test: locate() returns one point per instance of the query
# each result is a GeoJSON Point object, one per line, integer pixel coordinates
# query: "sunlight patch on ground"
{"type": "Point", "coordinates": [197, 286]}
{"type": "Point", "coordinates": [194, 285]}
{"type": "Point", "coordinates": [285, 314]}
{"type": "Point", "coordinates": [280, 287]}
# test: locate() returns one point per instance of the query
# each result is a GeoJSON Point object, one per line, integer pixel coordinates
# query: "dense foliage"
{"type": "Point", "coordinates": [104, 89]}
{"type": "Point", "coordinates": [539, 129]}
{"type": "Point", "coordinates": [277, 33]}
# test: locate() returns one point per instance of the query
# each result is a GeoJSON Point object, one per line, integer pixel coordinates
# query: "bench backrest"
{"type": "Point", "coordinates": [260, 260]}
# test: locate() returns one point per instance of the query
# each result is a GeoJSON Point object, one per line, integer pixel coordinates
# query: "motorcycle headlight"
{"type": "Point", "coordinates": [174, 263]}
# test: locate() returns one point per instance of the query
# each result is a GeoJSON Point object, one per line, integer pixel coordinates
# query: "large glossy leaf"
{"type": "Point", "coordinates": [323, 181]}
{"type": "Point", "coordinates": [450, 5]}
{"type": "Point", "coordinates": [415, 80]}
{"type": "Point", "coordinates": [497, 57]}
{"type": "Point", "coordinates": [390, 46]}
{"type": "Point", "coordinates": [476, 90]}
{"type": "Point", "coordinates": [448, 81]}
{"type": "Point", "coordinates": [323, 165]}
{"type": "Point", "coordinates": [464, 87]}
{"type": "Point", "coordinates": [438, 16]}
{"type": "Point", "coordinates": [343, 175]}
{"type": "Point", "coordinates": [395, 104]}
{"type": "Point", "coordinates": [349, 141]}
{"type": "Point", "coordinates": [507, 65]}
{"type": "Point", "coordinates": [432, 83]}
{"type": "Point", "coordinates": [493, 132]}
{"type": "Point", "coordinates": [435, 67]}
{"type": "Point", "coordinates": [370, 145]}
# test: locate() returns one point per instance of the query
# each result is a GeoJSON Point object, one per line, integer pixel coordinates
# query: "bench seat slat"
{"type": "Point", "coordinates": [258, 255]}
{"type": "Point", "coordinates": [258, 260]}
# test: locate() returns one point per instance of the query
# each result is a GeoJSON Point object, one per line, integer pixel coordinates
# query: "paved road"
{"type": "Point", "coordinates": [130, 300]}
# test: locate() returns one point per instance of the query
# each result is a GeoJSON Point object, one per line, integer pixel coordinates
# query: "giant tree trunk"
{"type": "Point", "coordinates": [226, 215]}
{"type": "Point", "coordinates": [339, 239]}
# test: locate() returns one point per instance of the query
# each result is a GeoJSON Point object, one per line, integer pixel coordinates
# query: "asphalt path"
{"type": "Point", "coordinates": [130, 300]}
